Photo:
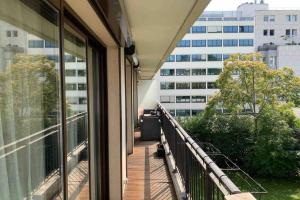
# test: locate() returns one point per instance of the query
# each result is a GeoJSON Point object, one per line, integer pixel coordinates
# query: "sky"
{"type": "Point", "coordinates": [220, 5]}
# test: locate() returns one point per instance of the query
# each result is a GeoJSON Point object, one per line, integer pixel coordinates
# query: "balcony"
{"type": "Point", "coordinates": [187, 172]}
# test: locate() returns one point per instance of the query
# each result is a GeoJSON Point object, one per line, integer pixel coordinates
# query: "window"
{"type": "Point", "coordinates": [183, 86]}
{"type": "Point", "coordinates": [198, 99]}
{"type": "Point", "coordinates": [272, 62]}
{"type": "Point", "coordinates": [167, 85]}
{"type": "Point", "coordinates": [198, 29]}
{"type": "Point", "coordinates": [8, 33]}
{"type": "Point", "coordinates": [36, 43]}
{"type": "Point", "coordinates": [214, 57]}
{"type": "Point", "coordinates": [167, 99]}
{"type": "Point", "coordinates": [269, 18]}
{"type": "Point", "coordinates": [172, 112]}
{"type": "Point", "coordinates": [170, 58]}
{"type": "Point", "coordinates": [199, 85]}
{"type": "Point", "coordinates": [198, 57]}
{"type": "Point", "coordinates": [230, 43]}
{"type": "Point", "coordinates": [198, 72]}
{"type": "Point", "coordinates": [211, 85]}
{"type": "Point", "coordinates": [183, 43]}
{"type": "Point", "coordinates": [30, 102]}
{"type": "Point", "coordinates": [246, 29]}
{"type": "Point", "coordinates": [265, 32]}
{"type": "Point", "coordinates": [167, 72]}
{"type": "Point", "coordinates": [230, 29]}
{"type": "Point", "coordinates": [292, 18]}
{"type": "Point", "coordinates": [198, 43]}
{"type": "Point", "coordinates": [196, 112]}
{"type": "Point", "coordinates": [246, 42]}
{"type": "Point", "coordinates": [50, 44]}
{"type": "Point", "coordinates": [214, 29]}
{"type": "Point", "coordinates": [69, 58]}
{"type": "Point", "coordinates": [294, 32]}
{"type": "Point", "coordinates": [70, 72]}
{"type": "Point", "coordinates": [214, 71]}
{"type": "Point", "coordinates": [82, 100]}
{"type": "Point", "coordinates": [288, 32]}
{"type": "Point", "coordinates": [182, 72]}
{"type": "Point", "coordinates": [183, 99]}
{"type": "Point", "coordinates": [214, 43]}
{"type": "Point", "coordinates": [53, 58]}
{"type": "Point", "coordinates": [183, 113]}
{"type": "Point", "coordinates": [226, 56]}
{"type": "Point", "coordinates": [272, 32]}
{"type": "Point", "coordinates": [71, 86]}
{"type": "Point", "coordinates": [183, 58]}
{"type": "Point", "coordinates": [82, 86]}
{"type": "Point", "coordinates": [81, 72]}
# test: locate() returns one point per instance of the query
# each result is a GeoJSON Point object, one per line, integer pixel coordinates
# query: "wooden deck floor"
{"type": "Point", "coordinates": [148, 176]}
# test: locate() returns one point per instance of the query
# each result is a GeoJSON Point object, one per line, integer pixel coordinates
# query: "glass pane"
{"type": "Point", "coordinates": [76, 109]}
{"type": "Point", "coordinates": [30, 132]}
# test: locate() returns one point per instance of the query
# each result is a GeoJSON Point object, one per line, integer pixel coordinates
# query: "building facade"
{"type": "Point", "coordinates": [187, 79]}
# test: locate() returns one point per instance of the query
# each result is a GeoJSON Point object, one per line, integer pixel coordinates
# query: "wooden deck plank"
{"type": "Point", "coordinates": [148, 176]}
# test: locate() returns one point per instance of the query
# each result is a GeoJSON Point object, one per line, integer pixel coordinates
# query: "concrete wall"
{"type": "Point", "coordinates": [289, 56]}
{"type": "Point", "coordinates": [148, 93]}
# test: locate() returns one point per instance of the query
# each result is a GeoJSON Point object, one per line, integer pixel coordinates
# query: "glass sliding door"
{"type": "Point", "coordinates": [76, 108]}
{"type": "Point", "coordinates": [30, 125]}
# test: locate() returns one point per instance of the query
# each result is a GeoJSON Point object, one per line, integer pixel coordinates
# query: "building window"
{"type": "Point", "coordinates": [183, 113]}
{"type": "Point", "coordinates": [167, 85]}
{"type": "Point", "coordinates": [214, 57]}
{"type": "Point", "coordinates": [170, 58]}
{"type": "Point", "coordinates": [246, 29]}
{"type": "Point", "coordinates": [198, 57]}
{"type": "Point", "coordinates": [70, 72]}
{"type": "Point", "coordinates": [294, 32]}
{"type": "Point", "coordinates": [183, 86]}
{"type": "Point", "coordinates": [199, 29]}
{"type": "Point", "coordinates": [198, 99]}
{"type": "Point", "coordinates": [226, 56]}
{"type": "Point", "coordinates": [212, 85]}
{"type": "Point", "coordinates": [82, 101]}
{"type": "Point", "coordinates": [198, 72]}
{"type": "Point", "coordinates": [214, 29]}
{"type": "Point", "coordinates": [230, 29]}
{"type": "Point", "coordinates": [82, 86]}
{"type": "Point", "coordinates": [13, 33]}
{"type": "Point", "coordinates": [198, 43]}
{"type": "Point", "coordinates": [292, 18]}
{"type": "Point", "coordinates": [167, 72]}
{"type": "Point", "coordinates": [246, 42]}
{"type": "Point", "coordinates": [272, 62]}
{"type": "Point", "coordinates": [167, 99]}
{"type": "Point", "coordinates": [183, 43]}
{"type": "Point", "coordinates": [36, 43]}
{"type": "Point", "coordinates": [50, 44]}
{"type": "Point", "coordinates": [54, 58]}
{"type": "Point", "coordinates": [199, 85]}
{"type": "Point", "coordinates": [196, 112]}
{"type": "Point", "coordinates": [214, 43]}
{"type": "Point", "coordinates": [183, 99]}
{"type": "Point", "coordinates": [230, 43]}
{"type": "Point", "coordinates": [69, 58]}
{"type": "Point", "coordinates": [288, 32]}
{"type": "Point", "coordinates": [81, 72]}
{"type": "Point", "coordinates": [183, 58]}
{"type": "Point", "coordinates": [182, 72]}
{"type": "Point", "coordinates": [71, 86]}
{"type": "Point", "coordinates": [265, 32]}
{"type": "Point", "coordinates": [8, 33]}
{"type": "Point", "coordinates": [269, 18]}
{"type": "Point", "coordinates": [272, 32]}
{"type": "Point", "coordinates": [214, 71]}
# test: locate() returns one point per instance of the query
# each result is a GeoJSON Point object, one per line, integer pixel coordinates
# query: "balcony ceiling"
{"type": "Point", "coordinates": [156, 26]}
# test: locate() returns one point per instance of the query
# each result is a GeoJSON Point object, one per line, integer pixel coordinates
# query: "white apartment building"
{"type": "Point", "coordinates": [277, 37]}
{"type": "Point", "coordinates": [187, 79]}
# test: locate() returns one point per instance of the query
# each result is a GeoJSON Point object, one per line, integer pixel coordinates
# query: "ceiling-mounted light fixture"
{"type": "Point", "coordinates": [130, 51]}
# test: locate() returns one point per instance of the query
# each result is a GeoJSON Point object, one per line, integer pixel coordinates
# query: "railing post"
{"type": "Point", "coordinates": [208, 185]}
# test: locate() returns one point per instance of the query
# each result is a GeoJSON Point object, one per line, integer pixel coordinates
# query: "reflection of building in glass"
{"type": "Point", "coordinates": [13, 42]}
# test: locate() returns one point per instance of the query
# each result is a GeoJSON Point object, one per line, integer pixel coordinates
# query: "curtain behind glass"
{"type": "Point", "coordinates": [29, 101]}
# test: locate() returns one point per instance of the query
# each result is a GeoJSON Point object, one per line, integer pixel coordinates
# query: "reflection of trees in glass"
{"type": "Point", "coordinates": [28, 96]}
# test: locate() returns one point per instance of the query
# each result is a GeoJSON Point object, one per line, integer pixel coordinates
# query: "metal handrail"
{"type": "Point", "coordinates": [210, 164]}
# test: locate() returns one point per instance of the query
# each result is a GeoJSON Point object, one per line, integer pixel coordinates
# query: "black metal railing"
{"type": "Point", "coordinates": [39, 154]}
{"type": "Point", "coordinates": [201, 176]}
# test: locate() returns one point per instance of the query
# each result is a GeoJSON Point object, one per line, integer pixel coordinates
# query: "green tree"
{"type": "Point", "coordinates": [247, 84]}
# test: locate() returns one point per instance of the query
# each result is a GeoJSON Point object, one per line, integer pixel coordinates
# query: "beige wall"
{"type": "Point", "coordinates": [114, 125]}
